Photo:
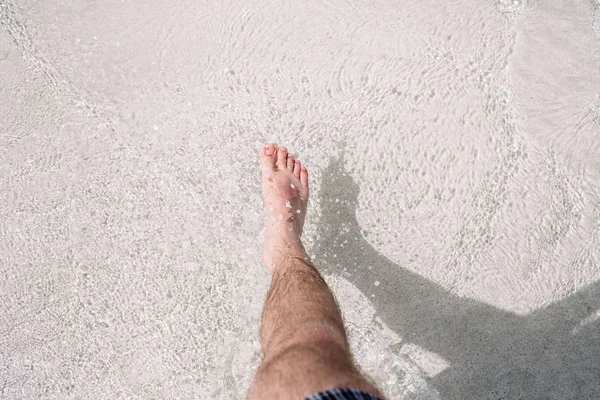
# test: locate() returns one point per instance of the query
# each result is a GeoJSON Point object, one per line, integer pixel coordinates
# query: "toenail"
{"type": "Point", "coordinates": [283, 149]}
{"type": "Point", "coordinates": [269, 151]}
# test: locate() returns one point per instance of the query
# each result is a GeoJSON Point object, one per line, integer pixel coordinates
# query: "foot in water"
{"type": "Point", "coordinates": [285, 194]}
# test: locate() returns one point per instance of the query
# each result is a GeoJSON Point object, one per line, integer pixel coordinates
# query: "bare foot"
{"type": "Point", "coordinates": [285, 193]}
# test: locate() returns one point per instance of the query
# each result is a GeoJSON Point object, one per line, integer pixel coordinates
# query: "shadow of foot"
{"type": "Point", "coordinates": [493, 354]}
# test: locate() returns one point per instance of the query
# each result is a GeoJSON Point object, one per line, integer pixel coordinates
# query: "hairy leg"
{"type": "Point", "coordinates": [302, 334]}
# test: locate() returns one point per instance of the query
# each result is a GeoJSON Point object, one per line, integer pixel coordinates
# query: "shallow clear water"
{"type": "Point", "coordinates": [454, 155]}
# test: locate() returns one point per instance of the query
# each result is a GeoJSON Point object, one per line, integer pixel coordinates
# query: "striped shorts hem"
{"type": "Point", "coordinates": [342, 394]}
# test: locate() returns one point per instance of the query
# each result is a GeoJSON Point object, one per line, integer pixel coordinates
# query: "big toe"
{"type": "Point", "coordinates": [268, 156]}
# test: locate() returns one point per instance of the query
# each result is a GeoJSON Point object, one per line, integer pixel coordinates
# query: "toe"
{"type": "Point", "coordinates": [282, 158]}
{"type": "Point", "coordinates": [297, 167]}
{"type": "Point", "coordinates": [304, 177]}
{"type": "Point", "coordinates": [267, 156]}
{"type": "Point", "coordinates": [290, 162]}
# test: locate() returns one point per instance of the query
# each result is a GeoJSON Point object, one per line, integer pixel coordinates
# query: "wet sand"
{"type": "Point", "coordinates": [453, 149]}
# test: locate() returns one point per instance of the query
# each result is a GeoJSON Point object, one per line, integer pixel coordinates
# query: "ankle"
{"type": "Point", "coordinates": [287, 257]}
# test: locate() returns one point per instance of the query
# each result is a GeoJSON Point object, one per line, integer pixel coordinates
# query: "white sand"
{"type": "Point", "coordinates": [454, 151]}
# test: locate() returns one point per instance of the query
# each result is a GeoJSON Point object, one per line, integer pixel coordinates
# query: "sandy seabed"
{"type": "Point", "coordinates": [454, 152]}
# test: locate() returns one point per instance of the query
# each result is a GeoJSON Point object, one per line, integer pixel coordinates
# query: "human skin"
{"type": "Point", "coordinates": [305, 348]}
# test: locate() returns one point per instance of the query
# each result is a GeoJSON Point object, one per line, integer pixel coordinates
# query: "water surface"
{"type": "Point", "coordinates": [454, 155]}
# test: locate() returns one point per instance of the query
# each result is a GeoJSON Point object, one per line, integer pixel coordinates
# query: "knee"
{"type": "Point", "coordinates": [302, 370]}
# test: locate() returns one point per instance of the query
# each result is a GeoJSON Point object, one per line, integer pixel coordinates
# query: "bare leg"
{"type": "Point", "coordinates": [302, 333]}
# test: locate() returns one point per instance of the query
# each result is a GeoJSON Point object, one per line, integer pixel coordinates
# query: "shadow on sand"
{"type": "Point", "coordinates": [493, 354]}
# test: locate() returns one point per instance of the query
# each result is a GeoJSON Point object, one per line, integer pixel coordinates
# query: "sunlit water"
{"type": "Point", "coordinates": [454, 153]}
